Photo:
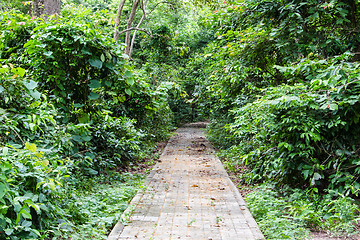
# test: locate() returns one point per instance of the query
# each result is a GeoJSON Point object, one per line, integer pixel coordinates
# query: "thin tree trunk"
{"type": "Point", "coordinates": [117, 20]}
{"type": "Point", "coordinates": [138, 26]}
{"type": "Point", "coordinates": [129, 23]}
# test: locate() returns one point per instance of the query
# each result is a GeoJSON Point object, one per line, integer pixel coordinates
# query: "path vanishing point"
{"type": "Point", "coordinates": [188, 195]}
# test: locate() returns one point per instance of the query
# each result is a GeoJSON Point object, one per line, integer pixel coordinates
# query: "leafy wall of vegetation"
{"type": "Point", "coordinates": [281, 86]}
{"type": "Point", "coordinates": [72, 108]}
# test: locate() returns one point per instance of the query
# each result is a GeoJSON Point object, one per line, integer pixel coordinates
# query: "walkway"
{"type": "Point", "coordinates": [188, 196]}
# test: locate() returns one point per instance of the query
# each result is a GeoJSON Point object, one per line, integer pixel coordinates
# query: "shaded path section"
{"type": "Point", "coordinates": [188, 196]}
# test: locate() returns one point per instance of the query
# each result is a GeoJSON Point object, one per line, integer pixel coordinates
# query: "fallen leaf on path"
{"type": "Point", "coordinates": [195, 185]}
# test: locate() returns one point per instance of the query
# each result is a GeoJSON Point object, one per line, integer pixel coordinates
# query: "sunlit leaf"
{"type": "Point", "coordinates": [31, 85]}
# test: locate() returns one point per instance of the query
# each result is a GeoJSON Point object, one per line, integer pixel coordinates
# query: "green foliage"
{"type": "Point", "coordinates": [117, 141]}
{"type": "Point", "coordinates": [306, 133]}
{"type": "Point", "coordinates": [19, 5]}
{"type": "Point", "coordinates": [287, 92]}
{"type": "Point", "coordinates": [288, 214]}
{"type": "Point", "coordinates": [31, 174]}
{"type": "Point", "coordinates": [73, 63]}
{"type": "Point", "coordinates": [75, 109]}
{"type": "Point", "coordinates": [98, 204]}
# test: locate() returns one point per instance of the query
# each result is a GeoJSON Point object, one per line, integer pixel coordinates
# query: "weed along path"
{"type": "Point", "coordinates": [188, 196]}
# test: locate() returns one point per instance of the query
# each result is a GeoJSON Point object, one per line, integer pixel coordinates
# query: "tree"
{"type": "Point", "coordinates": [117, 20]}
{"type": "Point", "coordinates": [130, 44]}
{"type": "Point", "coordinates": [128, 26]}
{"type": "Point", "coordinates": [46, 7]}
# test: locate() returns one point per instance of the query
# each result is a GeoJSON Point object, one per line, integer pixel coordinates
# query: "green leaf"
{"type": "Point", "coordinates": [9, 231]}
{"type": "Point", "coordinates": [317, 176]}
{"type": "Point", "coordinates": [86, 51]}
{"type": "Point", "coordinates": [84, 118]}
{"type": "Point", "coordinates": [333, 107]}
{"type": "Point", "coordinates": [94, 84]}
{"type": "Point", "coordinates": [25, 214]}
{"type": "Point", "coordinates": [86, 138]}
{"type": "Point", "coordinates": [49, 54]}
{"type": "Point", "coordinates": [93, 96]}
{"type": "Point", "coordinates": [1, 89]}
{"type": "Point", "coordinates": [96, 63]}
{"type": "Point", "coordinates": [30, 146]}
{"type": "Point", "coordinates": [77, 138]}
{"type": "Point", "coordinates": [5, 151]}
{"type": "Point", "coordinates": [20, 71]}
{"type": "Point", "coordinates": [2, 190]}
{"type": "Point", "coordinates": [30, 85]}
{"type": "Point", "coordinates": [130, 81]}
{"type": "Point", "coordinates": [26, 224]}
{"type": "Point", "coordinates": [128, 74]}
{"type": "Point", "coordinates": [128, 91]}
{"type": "Point", "coordinates": [35, 94]}
{"type": "Point", "coordinates": [102, 58]}
{"type": "Point", "coordinates": [78, 105]}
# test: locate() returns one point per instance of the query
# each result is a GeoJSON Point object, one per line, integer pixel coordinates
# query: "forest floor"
{"type": "Point", "coordinates": [188, 195]}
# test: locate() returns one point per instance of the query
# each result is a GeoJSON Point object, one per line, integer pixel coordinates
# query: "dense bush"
{"type": "Point", "coordinates": [306, 133]}
{"type": "Point", "coordinates": [71, 108]}
{"type": "Point", "coordinates": [286, 90]}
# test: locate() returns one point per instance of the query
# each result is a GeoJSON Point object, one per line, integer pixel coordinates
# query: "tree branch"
{"type": "Point", "coordinates": [143, 17]}
{"type": "Point", "coordinates": [135, 28]}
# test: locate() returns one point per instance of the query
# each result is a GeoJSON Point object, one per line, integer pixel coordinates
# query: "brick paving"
{"type": "Point", "coordinates": [188, 195]}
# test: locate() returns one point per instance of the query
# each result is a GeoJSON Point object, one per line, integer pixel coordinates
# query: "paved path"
{"type": "Point", "coordinates": [188, 196]}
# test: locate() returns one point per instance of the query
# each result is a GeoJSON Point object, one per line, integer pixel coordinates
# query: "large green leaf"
{"type": "Point", "coordinates": [94, 84]}
{"type": "Point", "coordinates": [128, 74]}
{"type": "Point", "coordinates": [35, 94]}
{"type": "Point", "coordinates": [130, 81]}
{"type": "Point", "coordinates": [128, 91]}
{"type": "Point", "coordinates": [94, 96]}
{"type": "Point", "coordinates": [30, 85]}
{"type": "Point", "coordinates": [20, 71]}
{"type": "Point", "coordinates": [96, 63]}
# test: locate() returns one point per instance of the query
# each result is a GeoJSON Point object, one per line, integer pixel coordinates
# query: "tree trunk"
{"type": "Point", "coordinates": [129, 23]}
{"type": "Point", "coordinates": [117, 20]}
{"type": "Point", "coordinates": [138, 26]}
{"type": "Point", "coordinates": [46, 8]}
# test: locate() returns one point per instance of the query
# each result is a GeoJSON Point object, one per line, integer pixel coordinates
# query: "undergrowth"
{"type": "Point", "coordinates": [285, 213]}
{"type": "Point", "coordinates": [97, 204]}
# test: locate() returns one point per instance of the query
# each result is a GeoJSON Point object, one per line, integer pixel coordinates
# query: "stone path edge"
{"type": "Point", "coordinates": [119, 227]}
{"type": "Point", "coordinates": [249, 218]}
